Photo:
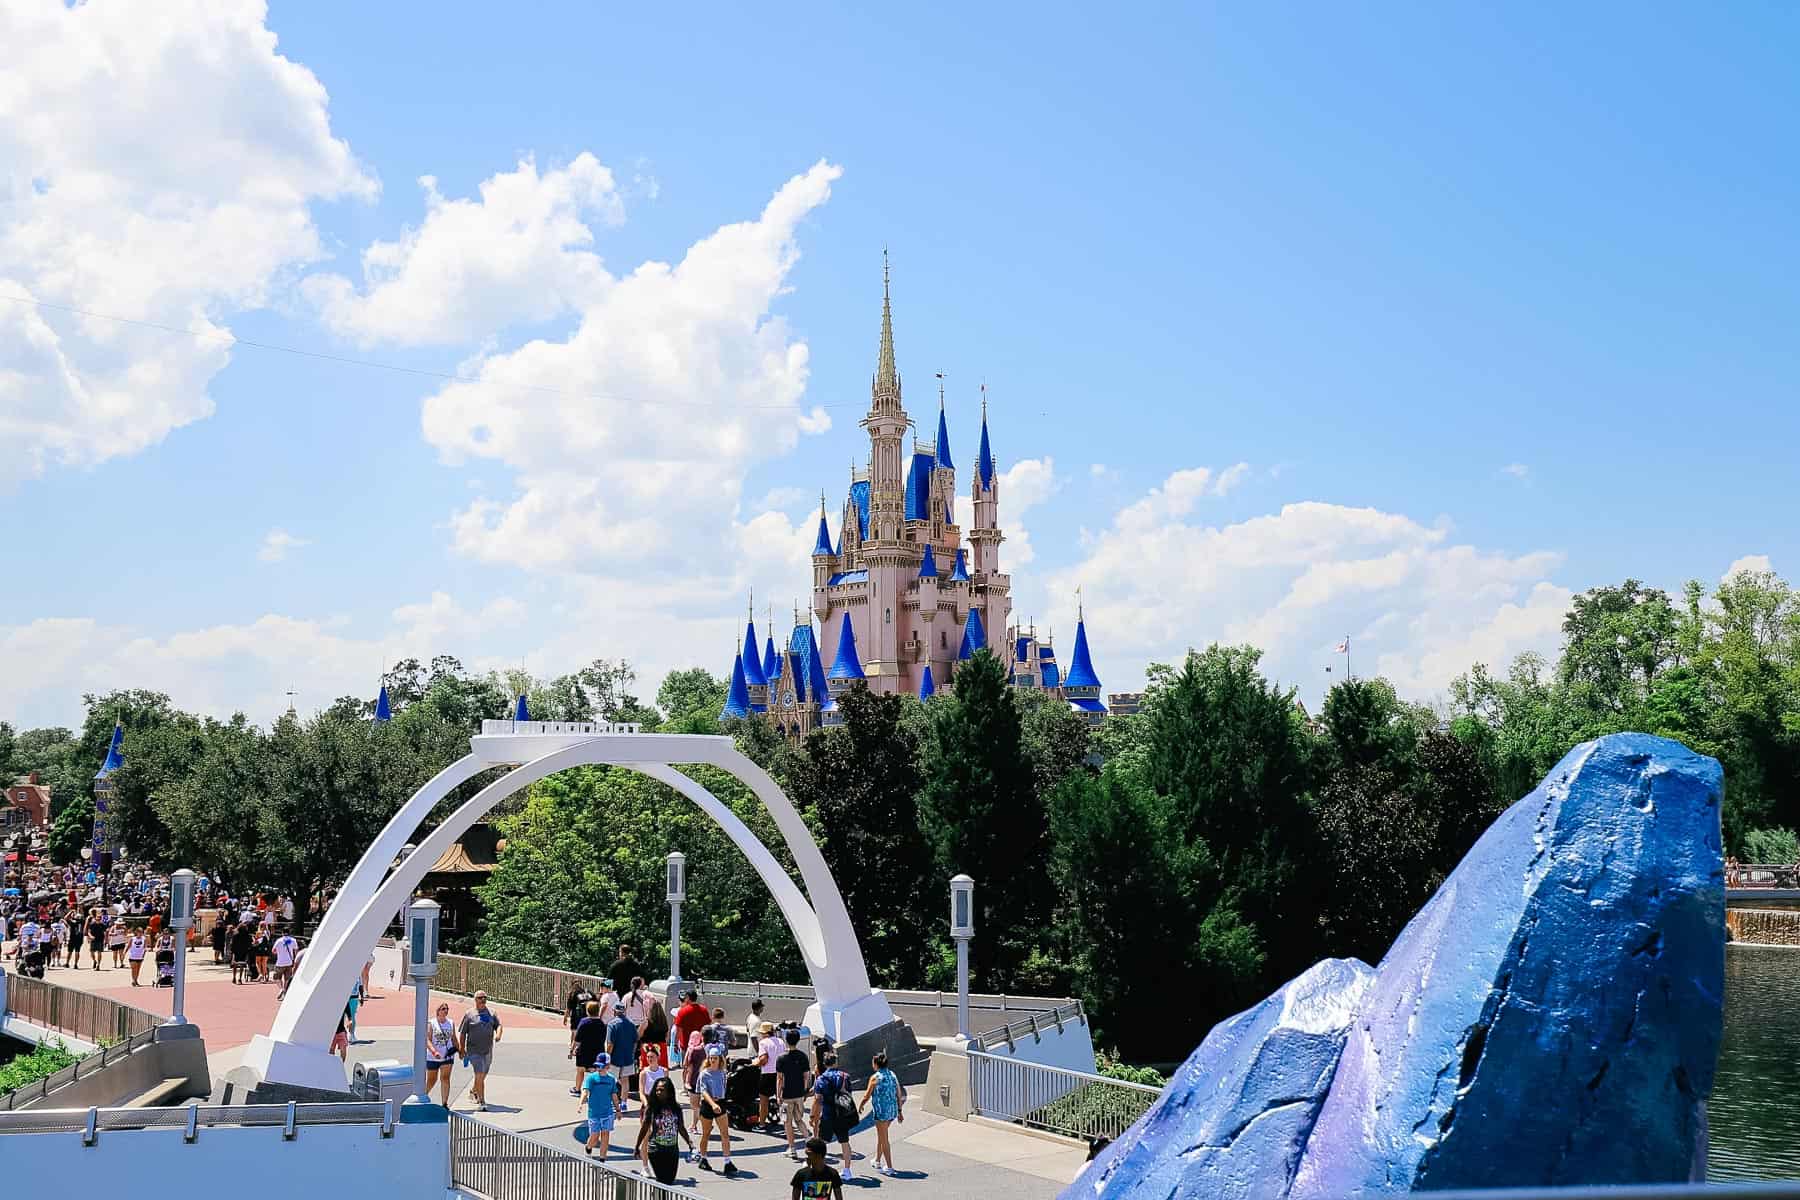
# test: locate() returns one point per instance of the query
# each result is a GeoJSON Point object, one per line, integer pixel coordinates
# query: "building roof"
{"type": "Point", "coordinates": [803, 648]}
{"type": "Point", "coordinates": [1081, 667]}
{"type": "Point", "coordinates": [1086, 704]}
{"type": "Point", "coordinates": [860, 575]}
{"type": "Point", "coordinates": [737, 700]}
{"type": "Point", "coordinates": [115, 753]}
{"type": "Point", "coordinates": [918, 486]}
{"type": "Point", "coordinates": [927, 687]}
{"type": "Point", "coordinates": [1052, 674]}
{"type": "Point", "coordinates": [859, 495]}
{"type": "Point", "coordinates": [520, 711]}
{"type": "Point", "coordinates": [1022, 650]}
{"type": "Point", "coordinates": [383, 710]}
{"type": "Point", "coordinates": [961, 570]}
{"type": "Point", "coordinates": [822, 543]}
{"type": "Point", "coordinates": [984, 461]}
{"type": "Point", "coordinates": [753, 668]}
{"type": "Point", "coordinates": [771, 660]}
{"type": "Point", "coordinates": [928, 565]}
{"type": "Point", "coordinates": [943, 438]}
{"type": "Point", "coordinates": [847, 665]}
{"type": "Point", "coordinates": [974, 636]}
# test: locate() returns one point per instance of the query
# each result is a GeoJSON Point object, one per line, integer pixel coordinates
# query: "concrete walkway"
{"type": "Point", "coordinates": [528, 1093]}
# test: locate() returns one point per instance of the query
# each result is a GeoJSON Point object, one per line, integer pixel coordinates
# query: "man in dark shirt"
{"type": "Point", "coordinates": [586, 1041]}
{"type": "Point", "coordinates": [624, 971]}
{"type": "Point", "coordinates": [816, 1181]}
{"type": "Point", "coordinates": [576, 1008]}
{"type": "Point", "coordinates": [621, 1045]}
{"type": "Point", "coordinates": [793, 1083]}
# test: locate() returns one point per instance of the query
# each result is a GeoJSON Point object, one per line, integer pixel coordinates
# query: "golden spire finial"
{"type": "Point", "coordinates": [751, 606]}
{"type": "Point", "coordinates": [940, 376]}
{"type": "Point", "coordinates": [1078, 611]}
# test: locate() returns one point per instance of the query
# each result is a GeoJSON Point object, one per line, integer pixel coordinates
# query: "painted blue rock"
{"type": "Point", "coordinates": [1234, 1119]}
{"type": "Point", "coordinates": [1551, 1017]}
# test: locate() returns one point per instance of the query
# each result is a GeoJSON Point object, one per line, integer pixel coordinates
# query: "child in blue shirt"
{"type": "Point", "coordinates": [601, 1092]}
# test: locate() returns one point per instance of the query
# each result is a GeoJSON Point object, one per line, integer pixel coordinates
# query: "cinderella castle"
{"type": "Point", "coordinates": [900, 598]}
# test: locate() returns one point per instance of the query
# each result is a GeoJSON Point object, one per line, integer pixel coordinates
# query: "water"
{"type": "Point", "coordinates": [1755, 1108]}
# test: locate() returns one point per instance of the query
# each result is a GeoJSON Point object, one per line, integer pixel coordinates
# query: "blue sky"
{"type": "Point", "coordinates": [1490, 306]}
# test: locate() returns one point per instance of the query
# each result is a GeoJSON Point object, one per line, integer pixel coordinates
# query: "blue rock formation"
{"type": "Point", "coordinates": [1551, 1017]}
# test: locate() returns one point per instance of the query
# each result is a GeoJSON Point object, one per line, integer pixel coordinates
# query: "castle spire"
{"type": "Point", "coordinates": [822, 543]}
{"type": "Point", "coordinates": [887, 376]}
{"type": "Point", "coordinates": [943, 438]}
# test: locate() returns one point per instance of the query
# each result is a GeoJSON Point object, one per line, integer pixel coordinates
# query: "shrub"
{"type": "Point", "coordinates": [1780, 846]}
{"type": "Point", "coordinates": [41, 1063]}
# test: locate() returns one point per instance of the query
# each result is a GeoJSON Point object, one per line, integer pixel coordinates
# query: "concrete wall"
{"type": "Point", "coordinates": [179, 1057]}
{"type": "Point", "coordinates": [1764, 926]}
{"type": "Point", "coordinates": [322, 1160]}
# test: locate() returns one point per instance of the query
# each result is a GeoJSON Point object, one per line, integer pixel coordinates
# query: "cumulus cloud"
{"type": "Point", "coordinates": [157, 163]}
{"type": "Point", "coordinates": [1022, 487]}
{"type": "Point", "coordinates": [1518, 471]}
{"type": "Point", "coordinates": [521, 252]}
{"type": "Point", "coordinates": [276, 543]}
{"type": "Point", "coordinates": [1755, 564]}
{"type": "Point", "coordinates": [1418, 605]}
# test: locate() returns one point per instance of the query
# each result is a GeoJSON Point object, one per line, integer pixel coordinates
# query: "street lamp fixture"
{"type": "Point", "coordinates": [181, 918]}
{"type": "Point", "coordinates": [422, 920]}
{"type": "Point", "coordinates": [677, 889]}
{"type": "Point", "coordinates": [962, 929]}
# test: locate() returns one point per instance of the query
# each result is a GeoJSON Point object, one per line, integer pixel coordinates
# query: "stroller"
{"type": "Point", "coordinates": [33, 966]}
{"type": "Point", "coordinates": [743, 1095]}
{"type": "Point", "coordinates": [165, 968]}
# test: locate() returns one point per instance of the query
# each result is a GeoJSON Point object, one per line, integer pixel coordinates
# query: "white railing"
{"type": "Point", "coordinates": [83, 1067]}
{"type": "Point", "coordinates": [488, 1161]}
{"type": "Point", "coordinates": [191, 1118]}
{"type": "Point", "coordinates": [1070, 1103]}
{"type": "Point", "coordinates": [1033, 1026]}
{"type": "Point", "coordinates": [491, 728]}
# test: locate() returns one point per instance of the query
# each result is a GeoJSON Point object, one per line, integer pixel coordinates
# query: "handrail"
{"type": "Point", "coordinates": [79, 1014]}
{"type": "Point", "coordinates": [1035, 1024]}
{"type": "Point", "coordinates": [1056, 1100]}
{"type": "Point", "coordinates": [86, 1065]}
{"type": "Point", "coordinates": [1753, 876]}
{"type": "Point", "coordinates": [498, 1164]}
{"type": "Point", "coordinates": [89, 1122]}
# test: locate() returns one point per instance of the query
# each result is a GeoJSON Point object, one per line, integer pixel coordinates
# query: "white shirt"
{"type": "Point", "coordinates": [28, 935]}
{"type": "Point", "coordinates": [637, 1008]}
{"type": "Point", "coordinates": [285, 946]}
{"type": "Point", "coordinates": [773, 1047]}
{"type": "Point", "coordinates": [287, 910]}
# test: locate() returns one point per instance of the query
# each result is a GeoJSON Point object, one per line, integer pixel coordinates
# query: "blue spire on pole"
{"type": "Point", "coordinates": [115, 752]}
{"type": "Point", "coordinates": [960, 572]}
{"type": "Point", "coordinates": [737, 700]}
{"type": "Point", "coordinates": [927, 688]}
{"type": "Point", "coordinates": [520, 711]}
{"type": "Point", "coordinates": [1081, 667]}
{"type": "Point", "coordinates": [771, 660]}
{"type": "Point", "coordinates": [928, 568]}
{"type": "Point", "coordinates": [383, 711]}
{"type": "Point", "coordinates": [822, 543]}
{"type": "Point", "coordinates": [943, 441]}
{"type": "Point", "coordinates": [984, 461]}
{"type": "Point", "coordinates": [974, 636]}
{"type": "Point", "coordinates": [753, 669]}
{"type": "Point", "coordinates": [848, 665]}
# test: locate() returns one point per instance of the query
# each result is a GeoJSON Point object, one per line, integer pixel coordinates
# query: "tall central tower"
{"type": "Point", "coordinates": [886, 552]}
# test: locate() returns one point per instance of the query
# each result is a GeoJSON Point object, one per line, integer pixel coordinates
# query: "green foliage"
{"type": "Point", "coordinates": [1778, 846]}
{"type": "Point", "coordinates": [44, 1061]}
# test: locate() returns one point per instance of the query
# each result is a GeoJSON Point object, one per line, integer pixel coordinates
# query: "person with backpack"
{"type": "Point", "coordinates": [887, 1097]}
{"type": "Point", "coordinates": [834, 1108]}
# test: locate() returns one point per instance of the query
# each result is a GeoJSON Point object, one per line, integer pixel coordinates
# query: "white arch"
{"type": "Point", "coordinates": [296, 1048]}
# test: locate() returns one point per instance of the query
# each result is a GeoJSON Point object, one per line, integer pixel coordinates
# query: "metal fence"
{"type": "Point", "coordinates": [191, 1118]}
{"type": "Point", "coordinates": [1033, 1026]}
{"type": "Point", "coordinates": [501, 1165]}
{"type": "Point", "coordinates": [1071, 1103]}
{"type": "Point", "coordinates": [111, 1053]}
{"type": "Point", "coordinates": [1763, 875]}
{"type": "Point", "coordinates": [78, 1014]}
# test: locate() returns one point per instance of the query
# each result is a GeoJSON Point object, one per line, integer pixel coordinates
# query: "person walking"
{"type": "Point", "coordinates": [240, 951]}
{"type": "Point", "coordinates": [657, 1132]}
{"type": "Point", "coordinates": [621, 1045]}
{"type": "Point", "coordinates": [888, 1099]}
{"type": "Point", "coordinates": [711, 1104]}
{"type": "Point", "coordinates": [690, 1018]}
{"type": "Point", "coordinates": [834, 1108]}
{"type": "Point", "coordinates": [767, 1048]}
{"type": "Point", "coordinates": [479, 1031]}
{"type": "Point", "coordinates": [653, 1038]}
{"type": "Point", "coordinates": [575, 1009]}
{"type": "Point", "coordinates": [285, 949]}
{"type": "Point", "coordinates": [115, 939]}
{"type": "Point", "coordinates": [793, 1081]}
{"type": "Point", "coordinates": [96, 935]}
{"type": "Point", "coordinates": [815, 1180]}
{"type": "Point", "coordinates": [600, 1092]}
{"type": "Point", "coordinates": [340, 1041]}
{"type": "Point", "coordinates": [586, 1042]}
{"type": "Point", "coordinates": [134, 954]}
{"type": "Point", "coordinates": [440, 1053]}
{"type": "Point", "coordinates": [624, 969]}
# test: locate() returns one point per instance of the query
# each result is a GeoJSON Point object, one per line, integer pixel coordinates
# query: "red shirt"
{"type": "Point", "coordinates": [690, 1018]}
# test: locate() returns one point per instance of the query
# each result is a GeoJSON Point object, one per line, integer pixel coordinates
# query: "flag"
{"type": "Point", "coordinates": [1343, 647]}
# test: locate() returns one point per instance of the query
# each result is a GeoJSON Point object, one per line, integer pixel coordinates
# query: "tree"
{"type": "Point", "coordinates": [861, 778]}
{"type": "Point", "coordinates": [1615, 641]}
{"type": "Point", "coordinates": [983, 818]}
{"type": "Point", "coordinates": [693, 691]}
{"type": "Point", "coordinates": [1779, 846]}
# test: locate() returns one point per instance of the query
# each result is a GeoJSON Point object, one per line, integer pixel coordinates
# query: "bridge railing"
{"type": "Point", "coordinates": [1033, 1026]}
{"type": "Point", "coordinates": [79, 1014]}
{"type": "Point", "coordinates": [1070, 1103]}
{"type": "Point", "coordinates": [82, 1068]}
{"type": "Point", "coordinates": [1763, 875]}
{"type": "Point", "coordinates": [486, 1160]}
{"type": "Point", "coordinates": [190, 1118]}
{"type": "Point", "coordinates": [492, 728]}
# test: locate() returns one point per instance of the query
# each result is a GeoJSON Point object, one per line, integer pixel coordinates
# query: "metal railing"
{"type": "Point", "coordinates": [109, 1054]}
{"type": "Point", "coordinates": [1071, 1103]}
{"type": "Point", "coordinates": [1763, 875]}
{"type": "Point", "coordinates": [489, 1161]}
{"type": "Point", "coordinates": [191, 1118]}
{"type": "Point", "coordinates": [79, 1014]}
{"type": "Point", "coordinates": [1033, 1026]}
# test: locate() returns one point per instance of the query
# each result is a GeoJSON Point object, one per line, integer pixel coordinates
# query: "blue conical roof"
{"type": "Point", "coordinates": [737, 700]}
{"type": "Point", "coordinates": [928, 568]}
{"type": "Point", "coordinates": [520, 711]}
{"type": "Point", "coordinates": [771, 660]}
{"type": "Point", "coordinates": [847, 665]}
{"type": "Point", "coordinates": [383, 711]}
{"type": "Point", "coordinates": [918, 487]}
{"type": "Point", "coordinates": [822, 543]}
{"type": "Point", "coordinates": [927, 688]}
{"type": "Point", "coordinates": [1081, 667]}
{"type": "Point", "coordinates": [961, 570]}
{"type": "Point", "coordinates": [115, 753]}
{"type": "Point", "coordinates": [943, 442]}
{"type": "Point", "coordinates": [984, 461]}
{"type": "Point", "coordinates": [753, 668]}
{"type": "Point", "coordinates": [974, 636]}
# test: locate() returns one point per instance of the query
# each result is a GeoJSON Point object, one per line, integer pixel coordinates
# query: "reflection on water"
{"type": "Point", "coordinates": [1755, 1109]}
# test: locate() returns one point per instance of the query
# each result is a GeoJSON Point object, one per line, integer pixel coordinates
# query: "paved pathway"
{"type": "Point", "coordinates": [528, 1093]}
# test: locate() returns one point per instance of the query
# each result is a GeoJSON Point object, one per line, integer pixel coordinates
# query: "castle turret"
{"type": "Point", "coordinates": [521, 712]}
{"type": "Point", "coordinates": [384, 711]}
{"type": "Point", "coordinates": [823, 556]}
{"type": "Point", "coordinates": [984, 490]}
{"type": "Point", "coordinates": [846, 669]}
{"type": "Point", "coordinates": [754, 678]}
{"type": "Point", "coordinates": [737, 699]}
{"type": "Point", "coordinates": [1081, 685]}
{"type": "Point", "coordinates": [927, 686]}
{"type": "Point", "coordinates": [974, 636]}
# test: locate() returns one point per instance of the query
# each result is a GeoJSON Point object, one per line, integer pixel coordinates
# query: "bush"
{"type": "Point", "coordinates": [41, 1063]}
{"type": "Point", "coordinates": [1781, 846]}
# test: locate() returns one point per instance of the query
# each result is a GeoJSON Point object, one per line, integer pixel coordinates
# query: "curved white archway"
{"type": "Point", "coordinates": [296, 1048]}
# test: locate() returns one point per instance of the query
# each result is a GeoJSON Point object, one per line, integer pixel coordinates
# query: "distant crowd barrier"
{"type": "Point", "coordinates": [1073, 1104]}
{"type": "Point", "coordinates": [488, 1161]}
{"type": "Point", "coordinates": [1763, 875]}
{"type": "Point", "coordinates": [90, 1123]}
{"type": "Point", "coordinates": [81, 1015]}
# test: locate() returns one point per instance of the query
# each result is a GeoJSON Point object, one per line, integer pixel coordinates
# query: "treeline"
{"type": "Point", "coordinates": [1169, 868]}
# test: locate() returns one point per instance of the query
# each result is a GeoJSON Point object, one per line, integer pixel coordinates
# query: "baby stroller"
{"type": "Point", "coordinates": [33, 967]}
{"type": "Point", "coordinates": [743, 1095]}
{"type": "Point", "coordinates": [165, 968]}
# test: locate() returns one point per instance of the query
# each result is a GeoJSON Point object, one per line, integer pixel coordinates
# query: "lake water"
{"type": "Point", "coordinates": [1755, 1108]}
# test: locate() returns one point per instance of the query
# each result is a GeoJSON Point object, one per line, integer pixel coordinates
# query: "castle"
{"type": "Point", "coordinates": [900, 598]}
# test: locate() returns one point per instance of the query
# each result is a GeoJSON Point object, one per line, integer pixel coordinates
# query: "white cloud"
{"type": "Point", "coordinates": [1022, 487]}
{"type": "Point", "coordinates": [1519, 471]}
{"type": "Point", "coordinates": [1418, 606]}
{"type": "Point", "coordinates": [1230, 477]}
{"type": "Point", "coordinates": [782, 498]}
{"type": "Point", "coordinates": [1756, 564]}
{"type": "Point", "coordinates": [277, 542]}
{"type": "Point", "coordinates": [522, 252]}
{"type": "Point", "coordinates": [156, 163]}
{"type": "Point", "coordinates": [1102, 471]}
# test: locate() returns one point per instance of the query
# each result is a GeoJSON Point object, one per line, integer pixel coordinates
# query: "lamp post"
{"type": "Point", "coordinates": [962, 928]}
{"type": "Point", "coordinates": [677, 893]}
{"type": "Point", "coordinates": [181, 919]}
{"type": "Point", "coordinates": [422, 917]}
